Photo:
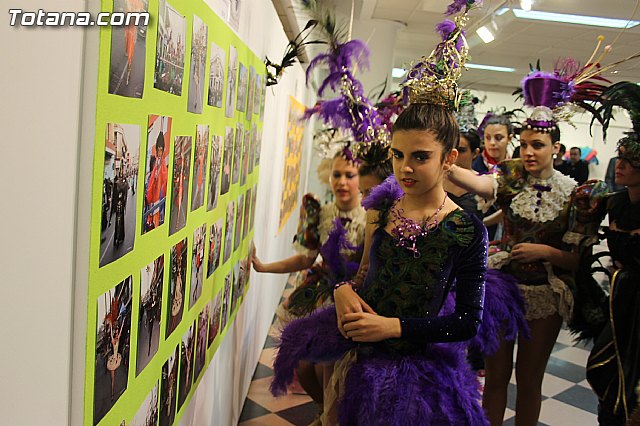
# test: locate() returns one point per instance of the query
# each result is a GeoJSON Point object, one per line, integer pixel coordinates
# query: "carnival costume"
{"type": "Point", "coordinates": [613, 368]}
{"type": "Point", "coordinates": [422, 377]}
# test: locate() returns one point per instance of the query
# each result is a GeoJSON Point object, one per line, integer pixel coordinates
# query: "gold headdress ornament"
{"type": "Point", "coordinates": [434, 79]}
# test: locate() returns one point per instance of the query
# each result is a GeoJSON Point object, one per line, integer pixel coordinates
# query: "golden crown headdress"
{"type": "Point", "coordinates": [434, 79]}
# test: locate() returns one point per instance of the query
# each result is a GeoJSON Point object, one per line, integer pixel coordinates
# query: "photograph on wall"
{"type": "Point", "coordinates": [179, 192]}
{"type": "Point", "coordinates": [263, 96]}
{"type": "Point", "coordinates": [227, 160]}
{"type": "Point", "coordinates": [226, 300]}
{"type": "Point", "coordinates": [251, 92]}
{"type": "Point", "coordinates": [246, 212]}
{"type": "Point", "coordinates": [175, 304]}
{"type": "Point", "coordinates": [151, 280]}
{"type": "Point", "coordinates": [215, 164]}
{"type": "Point", "coordinates": [214, 317]}
{"type": "Point", "coordinates": [199, 166]}
{"type": "Point", "coordinates": [156, 172]}
{"type": "Point", "coordinates": [231, 82]}
{"type": "Point", "coordinates": [234, 14]}
{"type": "Point", "coordinates": [186, 365]}
{"type": "Point", "coordinates": [292, 156]}
{"type": "Point", "coordinates": [236, 290]}
{"type": "Point", "coordinates": [252, 215]}
{"type": "Point", "coordinates": [197, 264]}
{"type": "Point", "coordinates": [246, 147]}
{"type": "Point", "coordinates": [217, 63]}
{"type": "Point", "coordinates": [221, 8]}
{"type": "Point", "coordinates": [215, 246]}
{"type": "Point", "coordinates": [118, 223]}
{"type": "Point", "coordinates": [243, 80]}
{"type": "Point", "coordinates": [201, 342]}
{"type": "Point", "coordinates": [237, 153]}
{"type": "Point", "coordinates": [168, 390]}
{"type": "Point", "coordinates": [238, 227]}
{"type": "Point", "coordinates": [199, 42]}
{"type": "Point", "coordinates": [147, 414]}
{"type": "Point", "coordinates": [128, 51]}
{"type": "Point", "coordinates": [113, 336]}
{"type": "Point", "coordinates": [252, 147]}
{"type": "Point", "coordinates": [257, 146]}
{"type": "Point", "coordinates": [170, 49]}
{"type": "Point", "coordinates": [228, 231]}
{"type": "Point", "coordinates": [257, 93]}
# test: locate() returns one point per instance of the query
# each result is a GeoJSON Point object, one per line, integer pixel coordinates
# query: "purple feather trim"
{"type": "Point", "coordinates": [445, 28]}
{"type": "Point", "coordinates": [504, 312]}
{"type": "Point", "coordinates": [331, 252]}
{"type": "Point", "coordinates": [384, 194]}
{"type": "Point", "coordinates": [437, 388]}
{"type": "Point", "coordinates": [314, 338]}
{"type": "Point", "coordinates": [456, 7]}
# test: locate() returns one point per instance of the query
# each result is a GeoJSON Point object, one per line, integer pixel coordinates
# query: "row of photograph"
{"type": "Point", "coordinates": [113, 333]}
{"type": "Point", "coordinates": [245, 87]}
{"type": "Point", "coordinates": [226, 161]}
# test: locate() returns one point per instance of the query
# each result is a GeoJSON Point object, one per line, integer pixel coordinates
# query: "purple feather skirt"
{"type": "Point", "coordinates": [433, 388]}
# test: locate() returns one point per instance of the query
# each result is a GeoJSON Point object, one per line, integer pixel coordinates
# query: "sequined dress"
{"type": "Point", "coordinates": [422, 377]}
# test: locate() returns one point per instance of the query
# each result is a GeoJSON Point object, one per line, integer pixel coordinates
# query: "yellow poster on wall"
{"type": "Point", "coordinates": [292, 157]}
{"type": "Point", "coordinates": [178, 130]}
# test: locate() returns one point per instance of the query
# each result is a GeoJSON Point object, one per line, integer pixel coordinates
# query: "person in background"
{"type": "Point", "coordinates": [578, 168]}
{"type": "Point", "coordinates": [559, 163]}
{"type": "Point", "coordinates": [610, 176]}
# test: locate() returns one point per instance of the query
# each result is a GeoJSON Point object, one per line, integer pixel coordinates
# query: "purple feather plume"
{"type": "Point", "coordinates": [503, 314]}
{"type": "Point", "coordinates": [383, 195]}
{"type": "Point", "coordinates": [315, 339]}
{"type": "Point", "coordinates": [332, 255]}
{"type": "Point", "coordinates": [445, 28]}
{"type": "Point", "coordinates": [458, 5]}
{"type": "Point", "coordinates": [435, 388]}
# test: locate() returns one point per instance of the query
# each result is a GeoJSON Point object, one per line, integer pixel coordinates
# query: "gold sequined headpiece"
{"type": "Point", "coordinates": [434, 79]}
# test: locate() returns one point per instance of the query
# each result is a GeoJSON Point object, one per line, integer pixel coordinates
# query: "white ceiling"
{"type": "Point", "coordinates": [518, 42]}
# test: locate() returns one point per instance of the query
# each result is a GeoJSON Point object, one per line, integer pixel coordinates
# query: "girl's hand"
{"type": "Point", "coordinates": [347, 301]}
{"type": "Point", "coordinates": [530, 252]}
{"type": "Point", "coordinates": [257, 264]}
{"type": "Point", "coordinates": [366, 327]}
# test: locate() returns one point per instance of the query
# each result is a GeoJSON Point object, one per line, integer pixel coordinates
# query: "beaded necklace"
{"type": "Point", "coordinates": [406, 230]}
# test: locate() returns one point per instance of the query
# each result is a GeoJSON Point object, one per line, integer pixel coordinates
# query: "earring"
{"type": "Point", "coordinates": [555, 156]}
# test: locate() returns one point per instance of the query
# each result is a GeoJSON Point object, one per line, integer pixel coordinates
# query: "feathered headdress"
{"type": "Point", "coordinates": [434, 79]}
{"type": "Point", "coordinates": [556, 96]}
{"type": "Point", "coordinates": [624, 95]}
{"type": "Point", "coordinates": [350, 110]}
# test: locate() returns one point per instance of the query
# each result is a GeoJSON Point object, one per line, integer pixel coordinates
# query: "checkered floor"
{"type": "Point", "coordinates": [567, 398]}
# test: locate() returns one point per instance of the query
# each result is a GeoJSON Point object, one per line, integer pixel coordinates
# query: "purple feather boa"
{"type": "Point", "coordinates": [384, 194]}
{"type": "Point", "coordinates": [503, 315]}
{"type": "Point", "coordinates": [314, 338]}
{"type": "Point", "coordinates": [332, 256]}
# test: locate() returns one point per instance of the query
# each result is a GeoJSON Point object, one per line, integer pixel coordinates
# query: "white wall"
{"type": "Point", "coordinates": [40, 92]}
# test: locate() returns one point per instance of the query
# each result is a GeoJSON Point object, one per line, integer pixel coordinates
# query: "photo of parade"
{"type": "Point", "coordinates": [121, 160]}
{"type": "Point", "coordinates": [179, 192]}
{"type": "Point", "coordinates": [228, 231]}
{"type": "Point", "coordinates": [151, 281]}
{"type": "Point", "coordinates": [156, 174]}
{"type": "Point", "coordinates": [201, 342]}
{"type": "Point", "coordinates": [170, 49]}
{"type": "Point", "coordinates": [168, 390]}
{"type": "Point", "coordinates": [147, 414]}
{"type": "Point", "coordinates": [214, 317]}
{"type": "Point", "coordinates": [175, 304]}
{"type": "Point", "coordinates": [217, 63]}
{"type": "Point", "coordinates": [199, 166]}
{"type": "Point", "coordinates": [186, 365]}
{"type": "Point", "coordinates": [197, 264]}
{"type": "Point", "coordinates": [198, 63]}
{"type": "Point", "coordinates": [214, 171]}
{"type": "Point", "coordinates": [231, 82]}
{"type": "Point", "coordinates": [227, 160]}
{"type": "Point", "coordinates": [128, 51]}
{"type": "Point", "coordinates": [215, 246]}
{"type": "Point", "coordinates": [113, 337]}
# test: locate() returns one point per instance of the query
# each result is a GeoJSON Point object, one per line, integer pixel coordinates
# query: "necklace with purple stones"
{"type": "Point", "coordinates": [406, 231]}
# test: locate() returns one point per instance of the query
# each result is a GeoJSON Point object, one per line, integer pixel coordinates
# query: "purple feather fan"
{"type": "Point", "coordinates": [314, 338]}
{"type": "Point", "coordinates": [383, 195]}
{"type": "Point", "coordinates": [503, 315]}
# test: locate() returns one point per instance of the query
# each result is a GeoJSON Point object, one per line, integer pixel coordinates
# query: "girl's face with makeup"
{"type": "Point", "coordinates": [418, 163]}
